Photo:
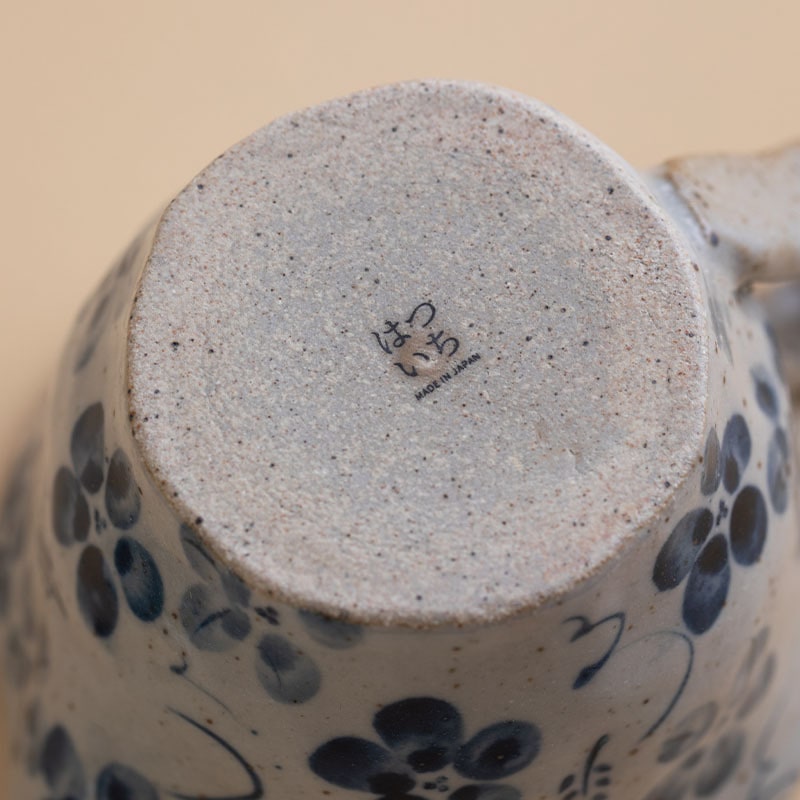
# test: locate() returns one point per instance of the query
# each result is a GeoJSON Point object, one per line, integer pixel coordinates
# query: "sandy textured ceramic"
{"type": "Point", "coordinates": [421, 449]}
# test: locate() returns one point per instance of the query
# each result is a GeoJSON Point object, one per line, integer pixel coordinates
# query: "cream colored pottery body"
{"type": "Point", "coordinates": [421, 449]}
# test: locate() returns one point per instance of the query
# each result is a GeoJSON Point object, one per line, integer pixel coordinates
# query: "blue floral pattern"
{"type": "Point", "coordinates": [421, 736]}
{"type": "Point", "coordinates": [215, 613]}
{"type": "Point", "coordinates": [58, 762]}
{"type": "Point", "coordinates": [706, 540]}
{"type": "Point", "coordinates": [74, 513]}
{"type": "Point", "coordinates": [705, 769]}
{"type": "Point", "coordinates": [778, 461]}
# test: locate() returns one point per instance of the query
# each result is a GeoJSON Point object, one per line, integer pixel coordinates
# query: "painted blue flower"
{"type": "Point", "coordinates": [422, 736]}
{"type": "Point", "coordinates": [79, 503]}
{"type": "Point", "coordinates": [213, 611]}
{"type": "Point", "coordinates": [704, 544]}
{"type": "Point", "coordinates": [705, 767]}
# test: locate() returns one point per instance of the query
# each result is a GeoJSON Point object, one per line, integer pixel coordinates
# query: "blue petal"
{"type": "Point", "coordinates": [87, 448]}
{"type": "Point", "coordinates": [211, 623]}
{"type": "Point", "coordinates": [97, 597]}
{"type": "Point", "coordinates": [499, 750]}
{"type": "Point", "coordinates": [486, 791]}
{"type": "Point", "coordinates": [423, 731]}
{"type": "Point", "coordinates": [688, 732]}
{"type": "Point", "coordinates": [766, 396]}
{"type": "Point", "coordinates": [333, 633]}
{"type": "Point", "coordinates": [141, 580]}
{"type": "Point", "coordinates": [198, 557]}
{"type": "Point", "coordinates": [720, 764]}
{"type": "Point", "coordinates": [779, 470]}
{"type": "Point", "coordinates": [287, 674]}
{"type": "Point", "coordinates": [117, 782]}
{"type": "Point", "coordinates": [680, 551]}
{"type": "Point", "coordinates": [61, 766]}
{"type": "Point", "coordinates": [707, 587]}
{"type": "Point", "coordinates": [234, 587]}
{"type": "Point", "coordinates": [123, 503]}
{"type": "Point", "coordinates": [749, 523]}
{"type": "Point", "coordinates": [70, 511]}
{"type": "Point", "coordinates": [712, 465]}
{"type": "Point", "coordinates": [353, 763]}
{"type": "Point", "coordinates": [736, 448]}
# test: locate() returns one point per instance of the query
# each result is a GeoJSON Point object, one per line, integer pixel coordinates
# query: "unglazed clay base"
{"type": "Point", "coordinates": [419, 356]}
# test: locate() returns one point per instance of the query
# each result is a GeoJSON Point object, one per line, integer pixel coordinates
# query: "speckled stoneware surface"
{"type": "Point", "coordinates": [420, 449]}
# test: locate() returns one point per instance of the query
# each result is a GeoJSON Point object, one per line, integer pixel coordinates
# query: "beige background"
{"type": "Point", "coordinates": [109, 108]}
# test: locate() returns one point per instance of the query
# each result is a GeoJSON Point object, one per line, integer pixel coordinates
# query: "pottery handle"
{"type": "Point", "coordinates": [747, 209]}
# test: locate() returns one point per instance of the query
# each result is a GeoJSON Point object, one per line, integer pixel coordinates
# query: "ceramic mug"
{"type": "Point", "coordinates": [420, 449]}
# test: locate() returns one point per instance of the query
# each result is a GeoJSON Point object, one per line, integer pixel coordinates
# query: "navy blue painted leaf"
{"type": "Point", "coordinates": [86, 448]}
{"type": "Point", "coordinates": [423, 731]}
{"type": "Point", "coordinates": [287, 673]}
{"type": "Point", "coordinates": [61, 766]}
{"type": "Point", "coordinates": [708, 585]}
{"type": "Point", "coordinates": [118, 782]}
{"type": "Point", "coordinates": [123, 503]}
{"type": "Point", "coordinates": [499, 751]}
{"type": "Point", "coordinates": [678, 554]}
{"type": "Point", "coordinates": [736, 448]}
{"type": "Point", "coordinates": [333, 633]}
{"type": "Point", "coordinates": [70, 513]}
{"type": "Point", "coordinates": [352, 763]}
{"type": "Point", "coordinates": [748, 526]}
{"type": "Point", "coordinates": [97, 597]}
{"type": "Point", "coordinates": [486, 791]}
{"type": "Point", "coordinates": [140, 578]}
